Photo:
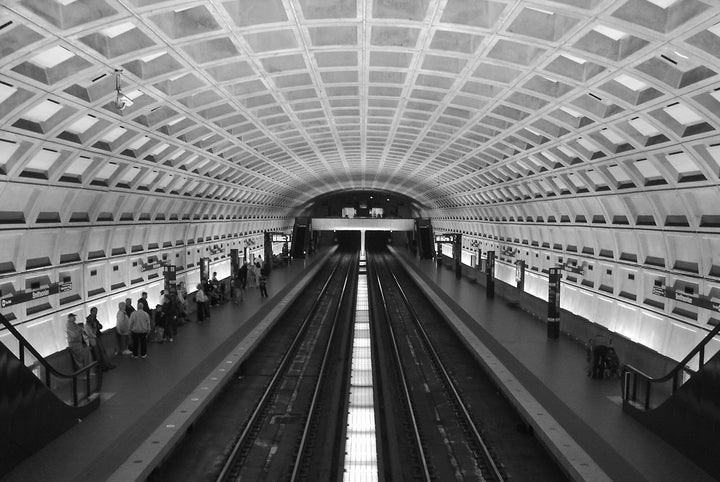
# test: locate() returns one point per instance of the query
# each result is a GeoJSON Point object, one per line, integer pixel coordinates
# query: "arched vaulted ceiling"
{"type": "Point", "coordinates": [455, 103]}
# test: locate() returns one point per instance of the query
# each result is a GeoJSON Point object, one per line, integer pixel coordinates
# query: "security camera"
{"type": "Point", "coordinates": [122, 101]}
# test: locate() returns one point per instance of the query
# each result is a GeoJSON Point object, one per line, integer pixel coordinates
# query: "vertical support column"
{"type": "Point", "coordinates": [520, 274]}
{"type": "Point", "coordinates": [457, 255]}
{"type": "Point", "coordinates": [170, 276]}
{"type": "Point", "coordinates": [490, 274]}
{"type": "Point", "coordinates": [268, 252]}
{"type": "Point", "coordinates": [362, 243]}
{"type": "Point", "coordinates": [234, 262]}
{"type": "Point", "coordinates": [553, 321]}
{"type": "Point", "coordinates": [204, 270]}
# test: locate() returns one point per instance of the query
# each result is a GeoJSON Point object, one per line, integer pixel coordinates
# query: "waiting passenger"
{"type": "Point", "coordinates": [202, 301]}
{"type": "Point", "coordinates": [139, 327]}
{"type": "Point", "coordinates": [238, 288]}
{"type": "Point", "coordinates": [143, 303]}
{"type": "Point", "coordinates": [262, 284]}
{"type": "Point", "coordinates": [170, 318]}
{"type": "Point", "coordinates": [76, 342]}
{"type": "Point", "coordinates": [128, 307]}
{"type": "Point", "coordinates": [122, 330]}
{"type": "Point", "coordinates": [93, 331]}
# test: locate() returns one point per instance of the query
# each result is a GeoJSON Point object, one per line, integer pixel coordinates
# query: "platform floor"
{"type": "Point", "coordinates": [140, 393]}
{"type": "Point", "coordinates": [553, 371]}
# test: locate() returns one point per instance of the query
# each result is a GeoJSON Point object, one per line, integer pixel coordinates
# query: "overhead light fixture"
{"type": "Point", "coordinates": [122, 101]}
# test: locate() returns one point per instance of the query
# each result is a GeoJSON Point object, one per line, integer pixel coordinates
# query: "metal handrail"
{"type": "Point", "coordinates": [632, 375]}
{"type": "Point", "coordinates": [23, 345]}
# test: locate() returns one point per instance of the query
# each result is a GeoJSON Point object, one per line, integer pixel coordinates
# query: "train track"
{"type": "Point", "coordinates": [265, 423]}
{"type": "Point", "coordinates": [439, 433]}
{"type": "Point", "coordinates": [264, 449]}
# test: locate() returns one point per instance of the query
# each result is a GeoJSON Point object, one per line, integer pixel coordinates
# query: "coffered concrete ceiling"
{"type": "Point", "coordinates": [455, 103]}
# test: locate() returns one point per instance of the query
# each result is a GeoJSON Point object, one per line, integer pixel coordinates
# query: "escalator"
{"type": "Point", "coordinates": [425, 238]}
{"type": "Point", "coordinates": [687, 415]}
{"type": "Point", "coordinates": [38, 403]}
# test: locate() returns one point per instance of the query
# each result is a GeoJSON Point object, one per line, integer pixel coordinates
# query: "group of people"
{"type": "Point", "coordinates": [134, 326]}
{"type": "Point", "coordinates": [132, 329]}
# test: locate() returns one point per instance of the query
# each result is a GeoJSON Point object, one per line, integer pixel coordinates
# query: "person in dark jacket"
{"type": "Point", "coordinates": [93, 332]}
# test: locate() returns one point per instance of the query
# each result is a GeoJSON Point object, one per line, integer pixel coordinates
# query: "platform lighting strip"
{"type": "Point", "coordinates": [360, 449]}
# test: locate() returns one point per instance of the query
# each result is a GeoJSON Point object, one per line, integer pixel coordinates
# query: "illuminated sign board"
{"type": "Point", "coordinates": [695, 300]}
{"type": "Point", "coordinates": [444, 238]}
{"type": "Point", "coordinates": [25, 296]}
{"type": "Point", "coordinates": [280, 238]}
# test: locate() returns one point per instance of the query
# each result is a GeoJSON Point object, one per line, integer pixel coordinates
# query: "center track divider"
{"type": "Point", "coordinates": [574, 459]}
{"type": "Point", "coordinates": [170, 432]}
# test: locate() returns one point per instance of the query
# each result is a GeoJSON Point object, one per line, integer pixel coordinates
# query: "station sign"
{"type": "Point", "coordinates": [507, 251]}
{"type": "Point", "coordinates": [154, 265]}
{"type": "Point", "coordinates": [215, 250]}
{"type": "Point", "coordinates": [444, 238]}
{"type": "Point", "coordinates": [572, 269]}
{"type": "Point", "coordinates": [280, 238]}
{"type": "Point", "coordinates": [695, 300]}
{"type": "Point", "coordinates": [25, 296]}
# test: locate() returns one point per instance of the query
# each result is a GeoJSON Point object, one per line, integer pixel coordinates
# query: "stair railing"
{"type": "Point", "coordinates": [635, 380]}
{"type": "Point", "coordinates": [83, 373]}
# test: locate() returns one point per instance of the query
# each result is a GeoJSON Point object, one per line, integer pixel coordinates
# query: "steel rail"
{"type": "Point", "coordinates": [403, 377]}
{"type": "Point", "coordinates": [495, 471]}
{"type": "Point", "coordinates": [255, 416]}
{"type": "Point", "coordinates": [321, 375]}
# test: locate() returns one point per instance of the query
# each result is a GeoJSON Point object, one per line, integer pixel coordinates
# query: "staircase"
{"type": "Point", "coordinates": [683, 406]}
{"type": "Point", "coordinates": [38, 403]}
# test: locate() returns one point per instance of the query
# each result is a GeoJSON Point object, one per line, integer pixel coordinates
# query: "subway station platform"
{"type": "Point", "coordinates": [143, 400]}
{"type": "Point", "coordinates": [140, 394]}
{"type": "Point", "coordinates": [553, 372]}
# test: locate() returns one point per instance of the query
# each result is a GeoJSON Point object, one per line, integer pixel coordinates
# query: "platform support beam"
{"type": "Point", "coordinates": [490, 274]}
{"type": "Point", "coordinates": [553, 321]}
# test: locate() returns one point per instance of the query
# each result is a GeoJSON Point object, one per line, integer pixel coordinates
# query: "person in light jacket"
{"type": "Point", "coordinates": [139, 327]}
{"type": "Point", "coordinates": [122, 330]}
{"type": "Point", "coordinates": [76, 342]}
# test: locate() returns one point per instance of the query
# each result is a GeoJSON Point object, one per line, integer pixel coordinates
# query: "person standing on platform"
{"type": "Point", "coordinates": [252, 276]}
{"type": "Point", "coordinates": [93, 331]}
{"type": "Point", "coordinates": [139, 327]}
{"type": "Point", "coordinates": [122, 330]}
{"type": "Point", "coordinates": [202, 301]}
{"type": "Point", "coordinates": [143, 304]}
{"type": "Point", "coordinates": [262, 284]}
{"type": "Point", "coordinates": [238, 290]}
{"type": "Point", "coordinates": [243, 274]}
{"type": "Point", "coordinates": [76, 342]}
{"type": "Point", "coordinates": [128, 307]}
{"type": "Point", "coordinates": [170, 316]}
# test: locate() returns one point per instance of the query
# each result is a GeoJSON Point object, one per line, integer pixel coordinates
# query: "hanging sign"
{"type": "Point", "coordinates": [25, 296]}
{"type": "Point", "coordinates": [695, 300]}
